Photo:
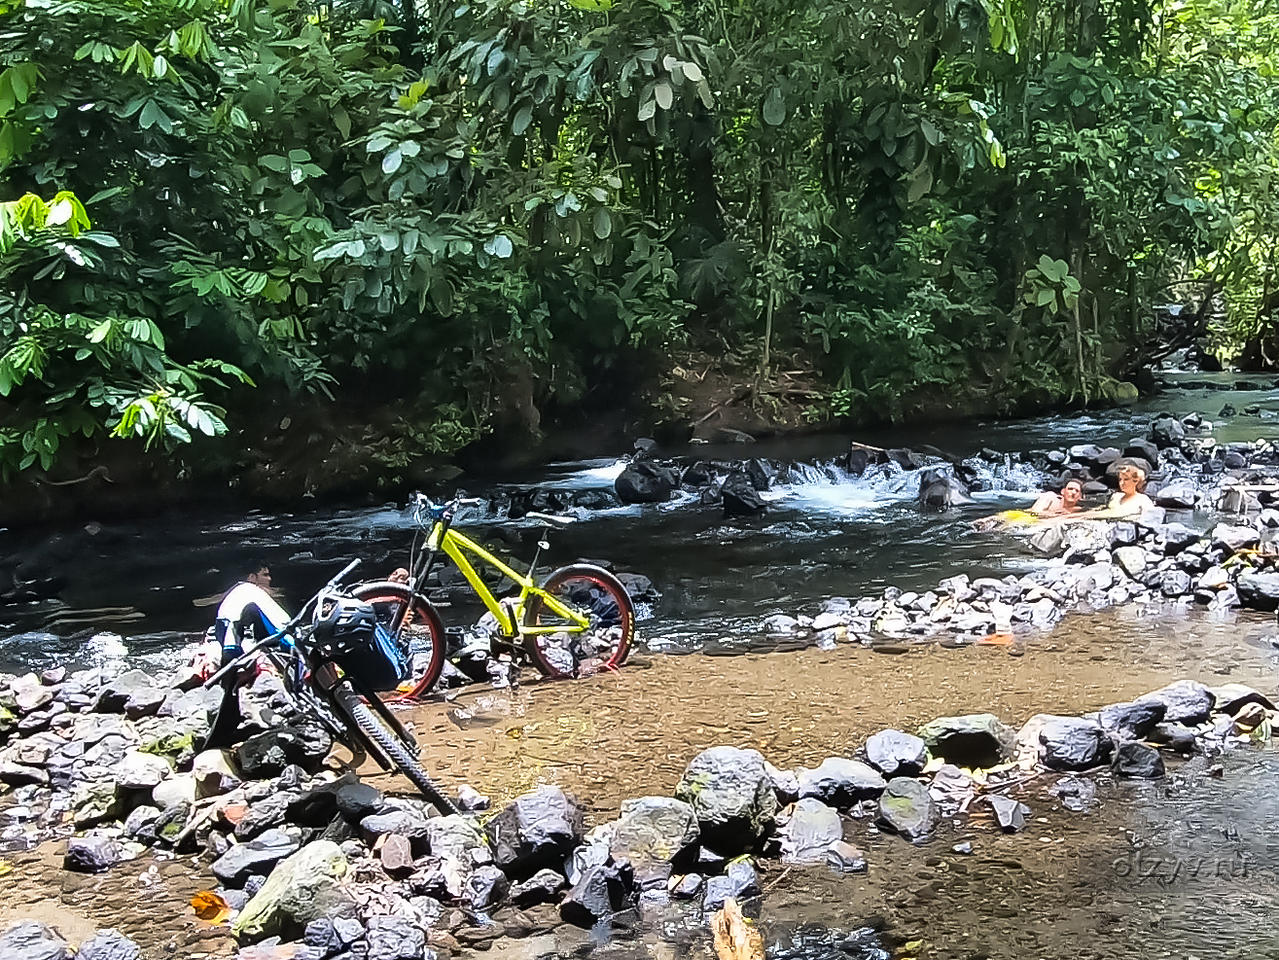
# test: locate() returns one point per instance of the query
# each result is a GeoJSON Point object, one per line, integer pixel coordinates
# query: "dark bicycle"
{"type": "Point", "coordinates": [333, 658]}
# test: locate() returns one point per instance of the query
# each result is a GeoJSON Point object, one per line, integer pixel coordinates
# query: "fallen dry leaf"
{"type": "Point", "coordinates": [209, 906]}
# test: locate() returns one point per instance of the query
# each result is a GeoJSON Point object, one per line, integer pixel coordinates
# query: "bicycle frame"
{"type": "Point", "coordinates": [456, 546]}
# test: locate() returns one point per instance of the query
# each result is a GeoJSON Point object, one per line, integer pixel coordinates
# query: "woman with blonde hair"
{"type": "Point", "coordinates": [1129, 501]}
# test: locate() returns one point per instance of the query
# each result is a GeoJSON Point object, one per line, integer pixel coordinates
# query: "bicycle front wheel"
{"type": "Point", "coordinates": [395, 749]}
{"type": "Point", "coordinates": [412, 618]}
{"type": "Point", "coordinates": [562, 648]}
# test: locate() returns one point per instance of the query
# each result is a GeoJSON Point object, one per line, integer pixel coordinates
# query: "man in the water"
{"type": "Point", "coordinates": [1059, 504]}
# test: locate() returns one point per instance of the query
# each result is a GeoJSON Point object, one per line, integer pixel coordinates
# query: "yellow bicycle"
{"type": "Point", "coordinates": [579, 620]}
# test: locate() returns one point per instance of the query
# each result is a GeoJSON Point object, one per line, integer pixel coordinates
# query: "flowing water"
{"type": "Point", "coordinates": [1071, 886]}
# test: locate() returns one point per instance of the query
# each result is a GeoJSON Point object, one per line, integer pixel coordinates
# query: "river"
{"type": "Point", "coordinates": [1071, 886]}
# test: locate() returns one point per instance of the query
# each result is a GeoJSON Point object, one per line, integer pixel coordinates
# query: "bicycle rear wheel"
{"type": "Point", "coordinates": [568, 650]}
{"type": "Point", "coordinates": [372, 727]}
{"type": "Point", "coordinates": [419, 628]}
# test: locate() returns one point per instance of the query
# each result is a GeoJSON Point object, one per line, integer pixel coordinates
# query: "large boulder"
{"type": "Point", "coordinates": [645, 482]}
{"type": "Point", "coordinates": [940, 489]}
{"type": "Point", "coordinates": [1070, 743]}
{"type": "Point", "coordinates": [906, 808]}
{"type": "Point", "coordinates": [653, 830]}
{"type": "Point", "coordinates": [894, 753]}
{"type": "Point", "coordinates": [266, 755]}
{"type": "Point", "coordinates": [29, 940]}
{"type": "Point", "coordinates": [536, 830]}
{"type": "Point", "coordinates": [1258, 590]}
{"type": "Point", "coordinates": [300, 889]}
{"type": "Point", "coordinates": [741, 498]}
{"type": "Point", "coordinates": [1235, 537]}
{"type": "Point", "coordinates": [1167, 432]}
{"type": "Point", "coordinates": [973, 740]}
{"type": "Point", "coordinates": [1185, 702]}
{"type": "Point", "coordinates": [840, 782]}
{"type": "Point", "coordinates": [732, 795]}
{"type": "Point", "coordinates": [809, 831]}
{"type": "Point", "coordinates": [1132, 721]}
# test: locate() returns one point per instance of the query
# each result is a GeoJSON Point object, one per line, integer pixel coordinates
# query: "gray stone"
{"type": "Point", "coordinates": [845, 858]}
{"type": "Point", "coordinates": [1076, 793]}
{"type": "Point", "coordinates": [132, 692]}
{"type": "Point", "coordinates": [536, 830]}
{"type": "Point", "coordinates": [215, 773]}
{"type": "Point", "coordinates": [1132, 721]}
{"type": "Point", "coordinates": [298, 891]}
{"type": "Point", "coordinates": [456, 836]}
{"type": "Point", "coordinates": [1167, 432]}
{"type": "Point", "coordinates": [974, 740]}
{"type": "Point", "coordinates": [1235, 537]}
{"type": "Point", "coordinates": [1009, 814]}
{"type": "Point", "coordinates": [258, 855]}
{"type": "Point", "coordinates": [1131, 560]}
{"type": "Point", "coordinates": [840, 782]}
{"type": "Point", "coordinates": [731, 794]}
{"type": "Point", "coordinates": [543, 887]}
{"type": "Point", "coordinates": [265, 755]}
{"type": "Point", "coordinates": [359, 800]}
{"type": "Point", "coordinates": [1175, 736]}
{"type": "Point", "coordinates": [1175, 583]}
{"type": "Point", "coordinates": [1135, 760]}
{"type": "Point", "coordinates": [1071, 743]}
{"type": "Point", "coordinates": [906, 808]}
{"type": "Point", "coordinates": [29, 940]}
{"type": "Point", "coordinates": [407, 822]}
{"type": "Point", "coordinates": [396, 855]}
{"type": "Point", "coordinates": [1178, 495]}
{"type": "Point", "coordinates": [653, 829]}
{"type": "Point", "coordinates": [809, 831]}
{"type": "Point", "coordinates": [739, 882]}
{"type": "Point", "coordinates": [895, 753]}
{"type": "Point", "coordinates": [1184, 701]}
{"type": "Point", "coordinates": [1258, 590]}
{"type": "Point", "coordinates": [486, 887]}
{"type": "Point", "coordinates": [394, 938]}
{"type": "Point", "coordinates": [108, 945]}
{"type": "Point", "coordinates": [598, 893]}
{"type": "Point", "coordinates": [141, 771]}
{"type": "Point", "coordinates": [1176, 537]}
{"type": "Point", "coordinates": [92, 854]}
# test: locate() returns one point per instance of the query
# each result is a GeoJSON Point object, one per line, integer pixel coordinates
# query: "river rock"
{"type": "Point", "coordinates": [108, 945]}
{"type": "Point", "coordinates": [1184, 701]}
{"type": "Point", "coordinates": [298, 891]}
{"type": "Point", "coordinates": [599, 892]}
{"type": "Point", "coordinates": [1132, 721]}
{"type": "Point", "coordinates": [973, 740]}
{"type": "Point", "coordinates": [653, 830]}
{"type": "Point", "coordinates": [141, 771]}
{"type": "Point", "coordinates": [895, 753]}
{"type": "Point", "coordinates": [92, 854]}
{"type": "Point", "coordinates": [132, 693]}
{"type": "Point", "coordinates": [845, 858]}
{"type": "Point", "coordinates": [940, 489]}
{"type": "Point", "coordinates": [1131, 560]}
{"type": "Point", "coordinates": [1175, 583]}
{"type": "Point", "coordinates": [1235, 537]}
{"type": "Point", "coordinates": [731, 794]}
{"type": "Point", "coordinates": [1076, 793]}
{"type": "Point", "coordinates": [840, 782]}
{"type": "Point", "coordinates": [739, 882]}
{"type": "Point", "coordinates": [809, 831]}
{"type": "Point", "coordinates": [1009, 813]}
{"type": "Point", "coordinates": [29, 940]}
{"type": "Point", "coordinates": [358, 800]}
{"type": "Point", "coordinates": [1135, 760]}
{"type": "Point", "coordinates": [1145, 449]}
{"type": "Point", "coordinates": [543, 887]}
{"type": "Point", "coordinates": [1070, 743]}
{"type": "Point", "coordinates": [258, 855]}
{"type": "Point", "coordinates": [1175, 736]}
{"type": "Point", "coordinates": [394, 938]}
{"type": "Point", "coordinates": [906, 808]}
{"type": "Point", "coordinates": [407, 821]}
{"type": "Point", "coordinates": [215, 773]}
{"type": "Point", "coordinates": [1258, 590]}
{"type": "Point", "coordinates": [1176, 537]}
{"type": "Point", "coordinates": [645, 482]}
{"type": "Point", "coordinates": [266, 755]}
{"type": "Point", "coordinates": [740, 497]}
{"type": "Point", "coordinates": [29, 694]}
{"type": "Point", "coordinates": [536, 830]}
{"type": "Point", "coordinates": [486, 887]}
{"type": "Point", "coordinates": [1167, 432]}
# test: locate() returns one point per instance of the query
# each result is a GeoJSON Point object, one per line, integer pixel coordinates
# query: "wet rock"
{"type": "Point", "coordinates": [1009, 813]}
{"type": "Point", "coordinates": [740, 497]}
{"type": "Point", "coordinates": [895, 753]}
{"type": "Point", "coordinates": [1132, 721]}
{"type": "Point", "coordinates": [653, 829]}
{"type": "Point", "coordinates": [739, 882]}
{"type": "Point", "coordinates": [645, 482]}
{"type": "Point", "coordinates": [298, 891]}
{"type": "Point", "coordinates": [1076, 793]}
{"type": "Point", "coordinates": [840, 782]}
{"type": "Point", "coordinates": [543, 887]}
{"type": "Point", "coordinates": [1135, 760]}
{"type": "Point", "coordinates": [266, 755]}
{"type": "Point", "coordinates": [785, 784]}
{"type": "Point", "coordinates": [974, 740]}
{"type": "Point", "coordinates": [940, 489]}
{"type": "Point", "coordinates": [108, 945]}
{"type": "Point", "coordinates": [318, 806]}
{"type": "Point", "coordinates": [258, 855]}
{"type": "Point", "coordinates": [1176, 537]}
{"type": "Point", "coordinates": [267, 812]}
{"type": "Point", "coordinates": [1145, 449]}
{"type": "Point", "coordinates": [486, 887]}
{"type": "Point", "coordinates": [92, 854]}
{"type": "Point", "coordinates": [1175, 736]}
{"type": "Point", "coordinates": [29, 940]}
{"type": "Point", "coordinates": [1167, 432]}
{"type": "Point", "coordinates": [133, 693]}
{"type": "Point", "coordinates": [906, 808]}
{"type": "Point", "coordinates": [809, 831]}
{"type": "Point", "coordinates": [1070, 743]}
{"type": "Point", "coordinates": [1235, 537]}
{"type": "Point", "coordinates": [1184, 701]}
{"type": "Point", "coordinates": [731, 794]}
{"type": "Point", "coordinates": [686, 887]}
{"type": "Point", "coordinates": [1177, 495]}
{"type": "Point", "coordinates": [394, 938]}
{"type": "Point", "coordinates": [1258, 590]}
{"type": "Point", "coordinates": [845, 858]}
{"type": "Point", "coordinates": [599, 892]}
{"type": "Point", "coordinates": [536, 830]}
{"type": "Point", "coordinates": [1175, 583]}
{"type": "Point", "coordinates": [355, 801]}
{"type": "Point", "coordinates": [1131, 560]}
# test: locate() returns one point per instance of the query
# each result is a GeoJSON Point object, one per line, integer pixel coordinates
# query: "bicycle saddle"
{"type": "Point", "coordinates": [550, 518]}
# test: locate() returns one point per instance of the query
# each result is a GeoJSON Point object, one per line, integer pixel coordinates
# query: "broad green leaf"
{"type": "Point", "coordinates": [523, 116]}
{"type": "Point", "coordinates": [392, 161]}
{"type": "Point", "coordinates": [602, 223]}
{"type": "Point", "coordinates": [774, 108]}
{"type": "Point", "coordinates": [646, 110]}
{"type": "Point", "coordinates": [663, 94]}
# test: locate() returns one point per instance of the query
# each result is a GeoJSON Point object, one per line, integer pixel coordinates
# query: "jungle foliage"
{"type": "Point", "coordinates": [485, 205]}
